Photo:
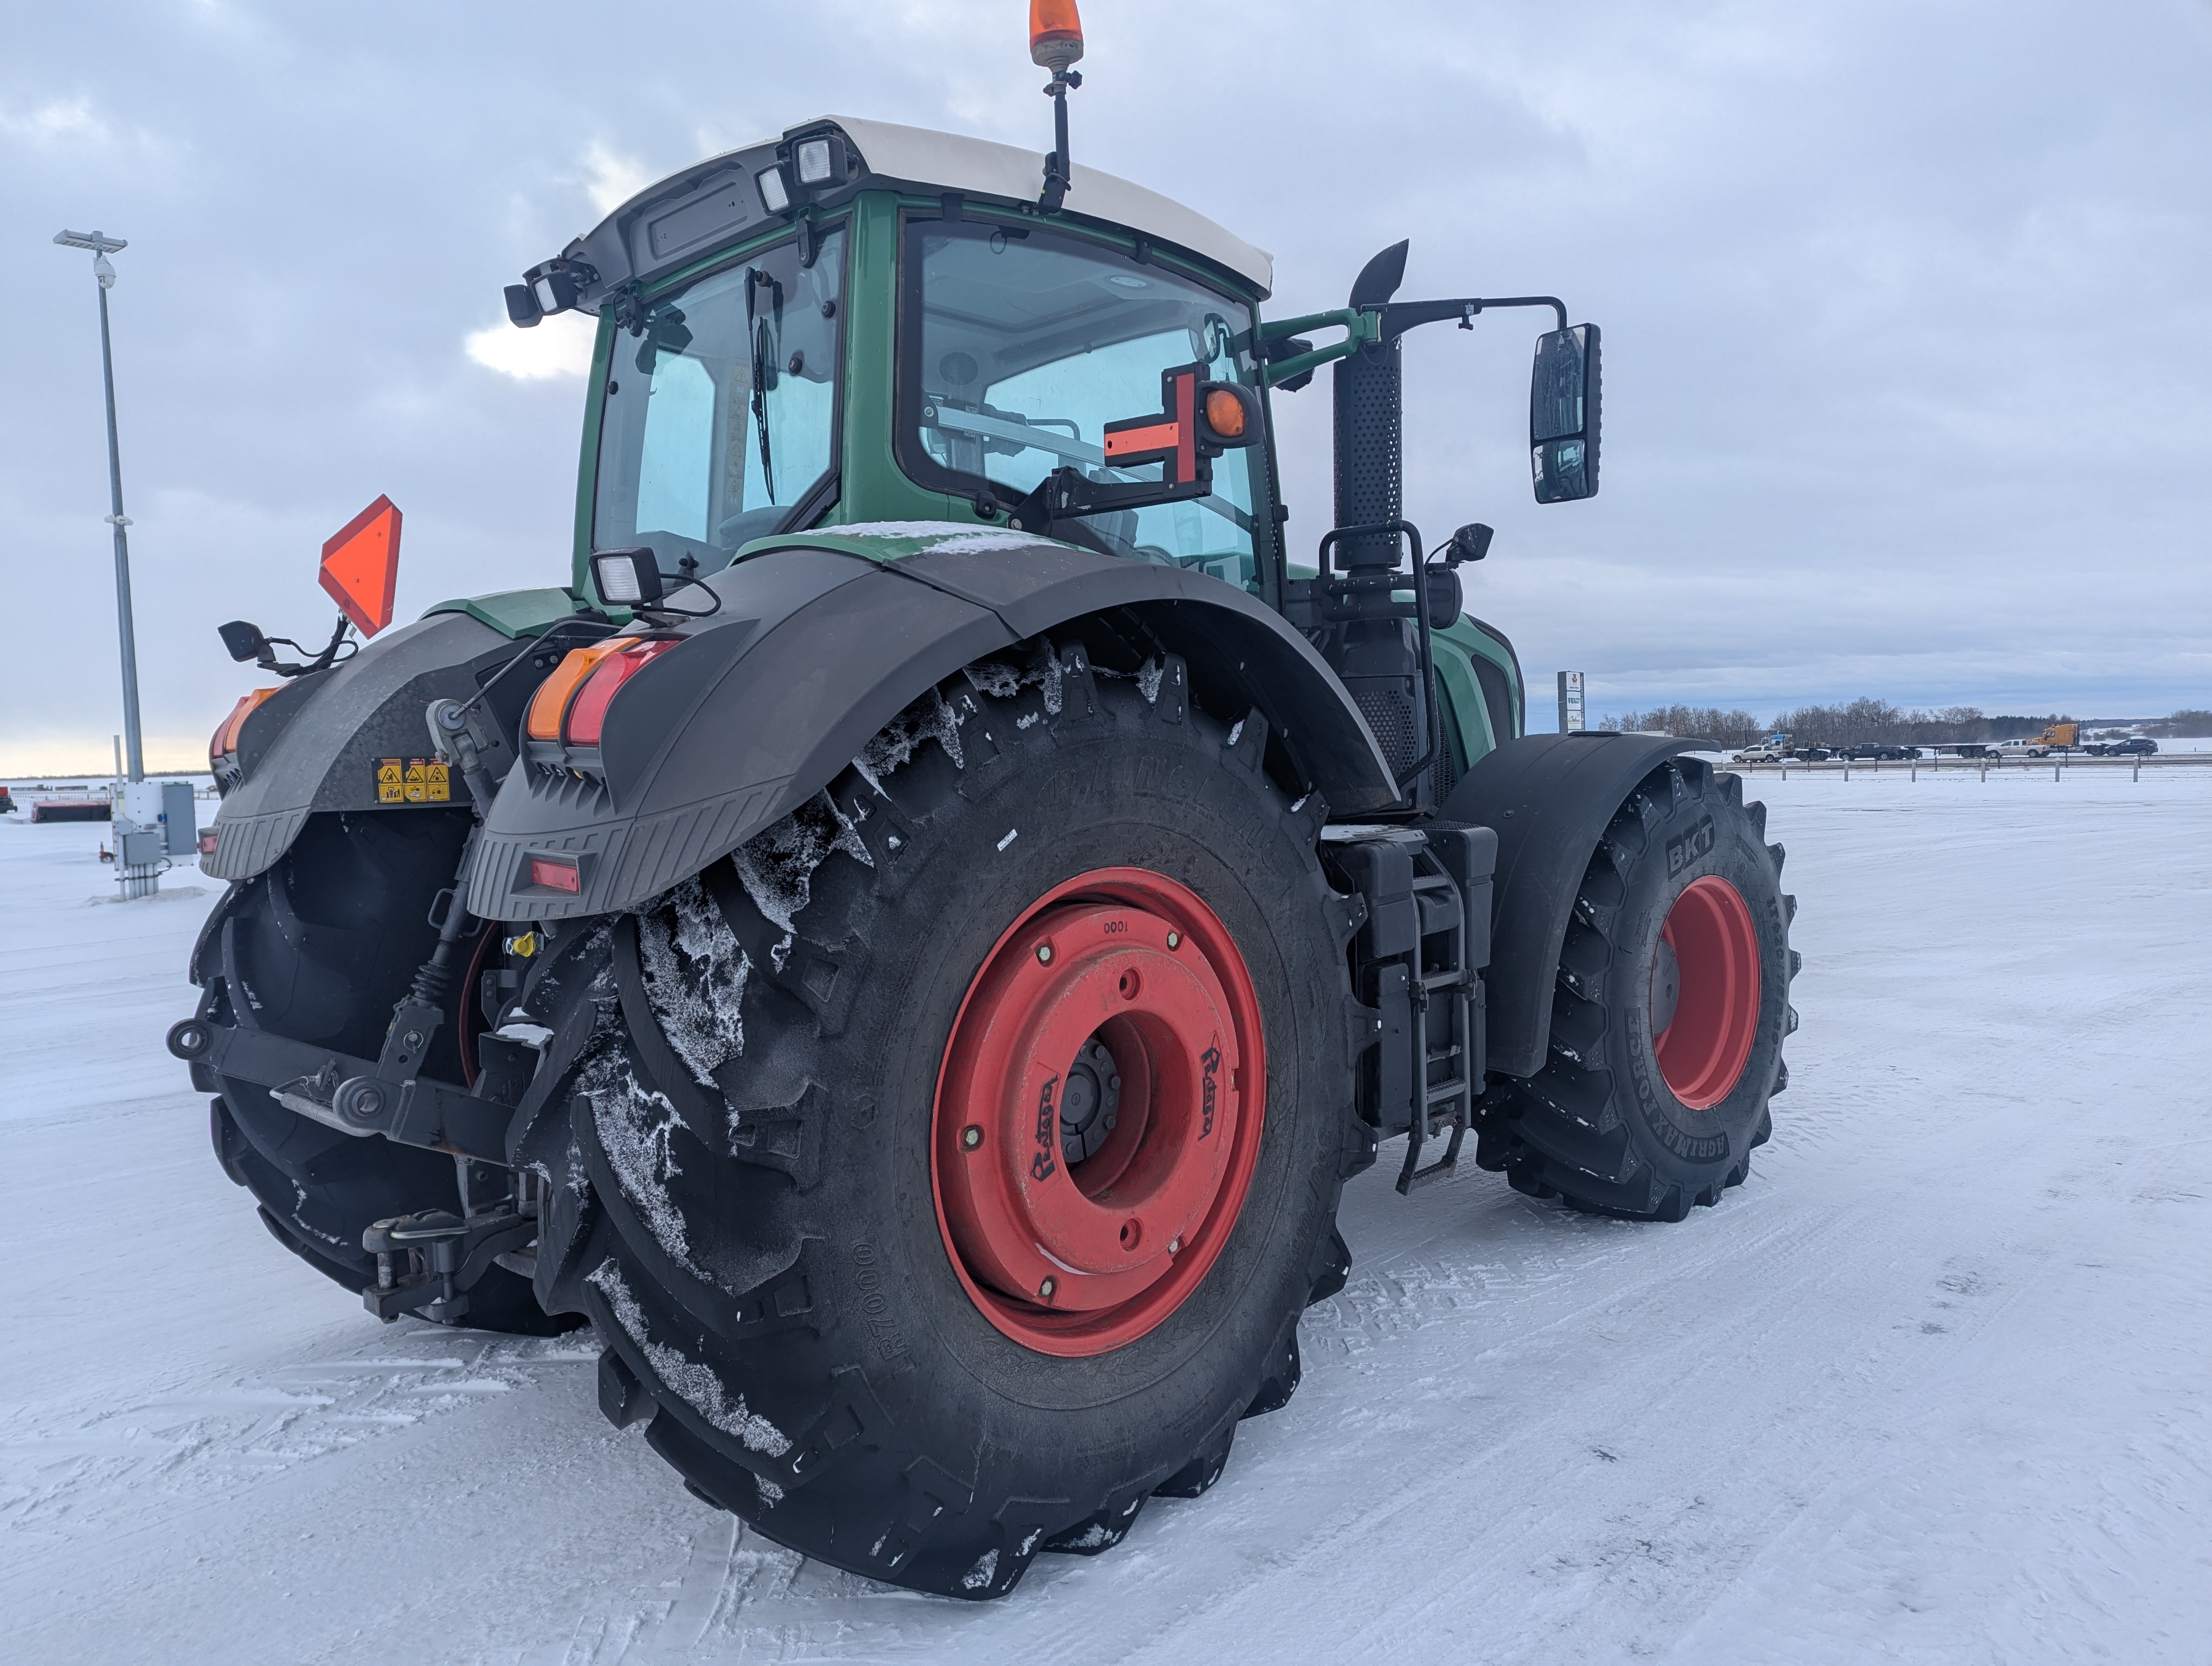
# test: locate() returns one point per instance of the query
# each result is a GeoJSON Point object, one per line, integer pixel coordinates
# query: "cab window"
{"type": "Point", "coordinates": [719, 413]}
{"type": "Point", "coordinates": [1020, 345]}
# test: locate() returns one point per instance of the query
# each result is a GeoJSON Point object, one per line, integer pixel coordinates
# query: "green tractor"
{"type": "Point", "coordinates": [912, 938]}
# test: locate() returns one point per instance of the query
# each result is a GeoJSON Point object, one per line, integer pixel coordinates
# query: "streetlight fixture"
{"type": "Point", "coordinates": [102, 246]}
{"type": "Point", "coordinates": [138, 838]}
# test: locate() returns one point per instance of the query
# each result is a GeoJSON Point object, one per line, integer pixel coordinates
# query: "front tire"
{"type": "Point", "coordinates": [1670, 1005]}
{"type": "Point", "coordinates": [831, 1337]}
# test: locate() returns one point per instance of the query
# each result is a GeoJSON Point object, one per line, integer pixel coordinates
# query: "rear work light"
{"type": "Point", "coordinates": [587, 712]}
{"type": "Point", "coordinates": [557, 874]}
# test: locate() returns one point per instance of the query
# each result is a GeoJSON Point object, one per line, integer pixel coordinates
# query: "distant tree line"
{"type": "Point", "coordinates": [1863, 722]}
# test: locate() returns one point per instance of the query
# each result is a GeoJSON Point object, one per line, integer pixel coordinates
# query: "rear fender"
{"type": "Point", "coordinates": [1548, 797]}
{"type": "Point", "coordinates": [315, 746]}
{"type": "Point", "coordinates": [817, 647]}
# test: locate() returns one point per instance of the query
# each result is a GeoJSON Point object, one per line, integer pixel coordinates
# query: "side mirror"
{"type": "Point", "coordinates": [1562, 414]}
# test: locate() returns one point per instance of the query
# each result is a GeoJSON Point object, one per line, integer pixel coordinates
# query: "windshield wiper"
{"type": "Point", "coordinates": [757, 280]}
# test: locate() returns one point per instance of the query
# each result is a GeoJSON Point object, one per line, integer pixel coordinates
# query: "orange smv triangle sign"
{"type": "Point", "coordinates": [360, 565]}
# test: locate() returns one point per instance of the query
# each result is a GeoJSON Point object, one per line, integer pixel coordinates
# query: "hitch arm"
{"type": "Point", "coordinates": [343, 1093]}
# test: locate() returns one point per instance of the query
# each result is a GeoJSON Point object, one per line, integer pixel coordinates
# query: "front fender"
{"type": "Point", "coordinates": [816, 646]}
{"type": "Point", "coordinates": [1548, 797]}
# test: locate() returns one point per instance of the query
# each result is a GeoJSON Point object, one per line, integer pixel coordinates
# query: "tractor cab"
{"type": "Point", "coordinates": [741, 388]}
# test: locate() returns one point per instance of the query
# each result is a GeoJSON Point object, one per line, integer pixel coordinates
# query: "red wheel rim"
{"type": "Point", "coordinates": [1702, 1053]}
{"type": "Point", "coordinates": [1079, 1259]}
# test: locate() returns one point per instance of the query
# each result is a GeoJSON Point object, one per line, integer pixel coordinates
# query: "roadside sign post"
{"type": "Point", "coordinates": [1571, 719]}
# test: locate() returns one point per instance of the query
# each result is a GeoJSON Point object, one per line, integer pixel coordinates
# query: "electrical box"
{"type": "Point", "coordinates": [179, 820]}
{"type": "Point", "coordinates": [138, 846]}
{"type": "Point", "coordinates": [140, 803]}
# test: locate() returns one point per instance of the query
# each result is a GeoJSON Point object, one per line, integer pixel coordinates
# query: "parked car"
{"type": "Point", "coordinates": [2135, 745]}
{"type": "Point", "coordinates": [1761, 754]}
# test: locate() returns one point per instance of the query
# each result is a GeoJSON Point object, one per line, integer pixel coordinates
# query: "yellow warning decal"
{"type": "Point", "coordinates": [415, 788]}
{"type": "Point", "coordinates": [437, 783]}
{"type": "Point", "coordinates": [389, 787]}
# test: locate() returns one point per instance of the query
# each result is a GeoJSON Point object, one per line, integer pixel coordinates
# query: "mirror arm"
{"type": "Point", "coordinates": [1359, 328]}
{"type": "Point", "coordinates": [1384, 323]}
{"type": "Point", "coordinates": [1400, 316]}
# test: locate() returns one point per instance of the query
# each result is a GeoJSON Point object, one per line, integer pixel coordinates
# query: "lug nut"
{"type": "Point", "coordinates": [1175, 940]}
{"type": "Point", "coordinates": [1175, 1246]}
{"type": "Point", "coordinates": [970, 1137]}
{"type": "Point", "coordinates": [1044, 958]}
{"type": "Point", "coordinates": [1046, 1289]}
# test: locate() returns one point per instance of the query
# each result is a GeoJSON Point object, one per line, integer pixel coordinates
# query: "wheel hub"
{"type": "Point", "coordinates": [1091, 1104]}
{"type": "Point", "coordinates": [1706, 993]}
{"type": "Point", "coordinates": [1098, 1112]}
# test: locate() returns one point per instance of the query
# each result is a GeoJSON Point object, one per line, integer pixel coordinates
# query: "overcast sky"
{"type": "Point", "coordinates": [1907, 336]}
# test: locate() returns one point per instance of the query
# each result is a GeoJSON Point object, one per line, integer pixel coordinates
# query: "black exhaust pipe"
{"type": "Point", "coordinates": [1370, 456]}
{"type": "Point", "coordinates": [1378, 658]}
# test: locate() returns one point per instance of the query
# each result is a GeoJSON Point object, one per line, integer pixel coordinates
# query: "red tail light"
{"type": "Point", "coordinates": [587, 712]}
{"type": "Point", "coordinates": [557, 874]}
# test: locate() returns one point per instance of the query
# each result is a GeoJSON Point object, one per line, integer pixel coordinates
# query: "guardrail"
{"type": "Point", "coordinates": [2057, 763]}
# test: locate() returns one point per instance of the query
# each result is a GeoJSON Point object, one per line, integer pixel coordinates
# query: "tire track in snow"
{"type": "Point", "coordinates": [88, 1472]}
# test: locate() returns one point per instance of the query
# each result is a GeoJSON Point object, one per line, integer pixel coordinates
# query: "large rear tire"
{"type": "Point", "coordinates": [1671, 1002]}
{"type": "Point", "coordinates": [317, 949]}
{"type": "Point", "coordinates": [825, 1119]}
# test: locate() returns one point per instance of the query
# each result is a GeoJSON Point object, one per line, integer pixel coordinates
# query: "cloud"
{"type": "Point", "coordinates": [557, 346]}
{"type": "Point", "coordinates": [55, 122]}
{"type": "Point", "coordinates": [612, 180]}
{"type": "Point", "coordinates": [1908, 374]}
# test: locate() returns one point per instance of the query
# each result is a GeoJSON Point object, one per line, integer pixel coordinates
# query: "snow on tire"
{"type": "Point", "coordinates": [814, 1100]}
{"type": "Point", "coordinates": [1671, 1003]}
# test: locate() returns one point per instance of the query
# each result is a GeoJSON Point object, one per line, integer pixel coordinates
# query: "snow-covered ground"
{"type": "Point", "coordinates": [1933, 1386]}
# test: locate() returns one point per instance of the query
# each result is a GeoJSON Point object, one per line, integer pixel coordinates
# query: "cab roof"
{"type": "Point", "coordinates": [687, 215]}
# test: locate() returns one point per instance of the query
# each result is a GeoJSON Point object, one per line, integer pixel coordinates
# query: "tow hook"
{"type": "Point", "coordinates": [444, 1256]}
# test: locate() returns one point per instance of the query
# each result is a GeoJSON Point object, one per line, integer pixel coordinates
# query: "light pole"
{"type": "Point", "coordinates": [101, 247]}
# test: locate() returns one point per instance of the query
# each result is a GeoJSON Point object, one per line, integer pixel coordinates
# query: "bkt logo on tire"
{"type": "Point", "coordinates": [1681, 852]}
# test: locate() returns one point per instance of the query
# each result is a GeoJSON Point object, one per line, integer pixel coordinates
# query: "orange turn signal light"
{"type": "Point", "coordinates": [1055, 34]}
{"type": "Point", "coordinates": [551, 704]}
{"type": "Point", "coordinates": [1225, 414]}
{"type": "Point", "coordinates": [224, 741]}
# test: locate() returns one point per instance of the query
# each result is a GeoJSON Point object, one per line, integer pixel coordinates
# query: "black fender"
{"type": "Point", "coordinates": [816, 647]}
{"type": "Point", "coordinates": [1548, 797]}
{"type": "Point", "coordinates": [314, 746]}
